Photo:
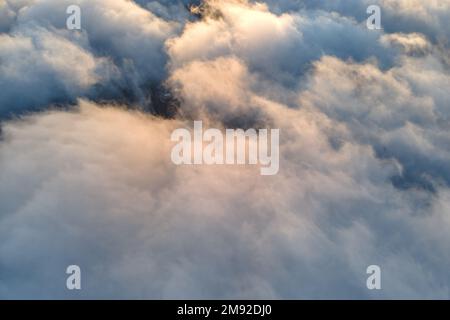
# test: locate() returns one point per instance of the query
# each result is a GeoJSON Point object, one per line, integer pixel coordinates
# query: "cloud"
{"type": "Point", "coordinates": [279, 46]}
{"type": "Point", "coordinates": [364, 168]}
{"type": "Point", "coordinates": [7, 16]}
{"type": "Point", "coordinates": [98, 180]}
{"type": "Point", "coordinates": [127, 37]}
{"type": "Point", "coordinates": [407, 16]}
{"type": "Point", "coordinates": [38, 67]}
{"type": "Point", "coordinates": [125, 31]}
{"type": "Point", "coordinates": [396, 112]}
{"type": "Point", "coordinates": [412, 43]}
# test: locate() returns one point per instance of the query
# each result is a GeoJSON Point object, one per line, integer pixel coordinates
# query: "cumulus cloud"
{"type": "Point", "coordinates": [127, 37]}
{"type": "Point", "coordinates": [428, 17]}
{"type": "Point", "coordinates": [51, 68]}
{"type": "Point", "coordinates": [412, 43]}
{"type": "Point", "coordinates": [392, 111]}
{"type": "Point", "coordinates": [364, 163]}
{"type": "Point", "coordinates": [121, 29]}
{"type": "Point", "coordinates": [7, 16]}
{"type": "Point", "coordinates": [279, 46]}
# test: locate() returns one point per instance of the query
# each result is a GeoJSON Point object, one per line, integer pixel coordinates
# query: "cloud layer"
{"type": "Point", "coordinates": [85, 170]}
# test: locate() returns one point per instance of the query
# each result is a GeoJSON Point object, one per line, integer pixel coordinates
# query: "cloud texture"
{"type": "Point", "coordinates": [85, 170]}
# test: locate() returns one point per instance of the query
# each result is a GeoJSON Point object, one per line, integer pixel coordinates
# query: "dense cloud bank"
{"type": "Point", "coordinates": [85, 170]}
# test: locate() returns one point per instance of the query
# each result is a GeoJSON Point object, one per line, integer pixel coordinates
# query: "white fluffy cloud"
{"type": "Point", "coordinates": [364, 163]}
{"type": "Point", "coordinates": [428, 17]}
{"type": "Point", "coordinates": [279, 46]}
{"type": "Point", "coordinates": [127, 37]}
{"type": "Point", "coordinates": [38, 67]}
